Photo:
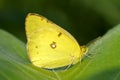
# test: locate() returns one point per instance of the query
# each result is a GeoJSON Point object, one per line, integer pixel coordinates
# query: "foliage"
{"type": "Point", "coordinates": [103, 64]}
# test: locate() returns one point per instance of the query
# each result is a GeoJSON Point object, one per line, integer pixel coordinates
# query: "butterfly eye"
{"type": "Point", "coordinates": [53, 45]}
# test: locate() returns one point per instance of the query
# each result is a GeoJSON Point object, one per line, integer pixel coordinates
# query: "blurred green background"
{"type": "Point", "coordinates": [84, 19]}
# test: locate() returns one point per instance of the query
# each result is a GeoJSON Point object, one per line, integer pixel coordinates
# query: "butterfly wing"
{"type": "Point", "coordinates": [50, 46]}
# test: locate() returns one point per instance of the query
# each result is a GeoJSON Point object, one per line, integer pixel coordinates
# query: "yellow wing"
{"type": "Point", "coordinates": [48, 45]}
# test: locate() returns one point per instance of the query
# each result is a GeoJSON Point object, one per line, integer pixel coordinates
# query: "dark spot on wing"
{"type": "Point", "coordinates": [59, 34]}
{"type": "Point", "coordinates": [53, 45]}
{"type": "Point", "coordinates": [42, 18]}
{"type": "Point", "coordinates": [47, 21]}
{"type": "Point", "coordinates": [36, 46]}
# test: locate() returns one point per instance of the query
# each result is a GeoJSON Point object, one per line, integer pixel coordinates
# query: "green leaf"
{"type": "Point", "coordinates": [14, 62]}
{"type": "Point", "coordinates": [103, 63]}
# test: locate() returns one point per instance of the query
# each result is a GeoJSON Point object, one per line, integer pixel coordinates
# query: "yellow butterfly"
{"type": "Point", "coordinates": [50, 46]}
